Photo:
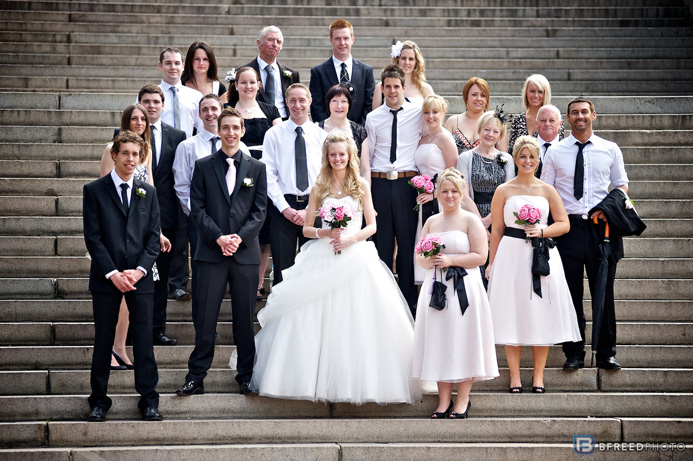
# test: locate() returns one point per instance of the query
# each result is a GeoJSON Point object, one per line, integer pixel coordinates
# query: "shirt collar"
{"type": "Point", "coordinates": [157, 125]}
{"type": "Point", "coordinates": [542, 141]}
{"type": "Point", "coordinates": [348, 61]}
{"type": "Point", "coordinates": [166, 86]}
{"type": "Point", "coordinates": [262, 64]}
{"type": "Point", "coordinates": [118, 181]}
{"type": "Point", "coordinates": [207, 135]}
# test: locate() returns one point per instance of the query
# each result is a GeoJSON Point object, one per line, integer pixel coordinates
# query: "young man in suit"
{"type": "Point", "coordinates": [121, 231]}
{"type": "Point", "coordinates": [181, 112]}
{"type": "Point", "coordinates": [269, 44]}
{"type": "Point", "coordinates": [228, 199]}
{"type": "Point", "coordinates": [165, 141]}
{"type": "Point", "coordinates": [343, 69]}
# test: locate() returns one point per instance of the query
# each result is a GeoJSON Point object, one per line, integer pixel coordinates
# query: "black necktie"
{"type": "Point", "coordinates": [155, 161]}
{"type": "Point", "coordinates": [579, 171]}
{"type": "Point", "coordinates": [214, 144]}
{"type": "Point", "coordinates": [538, 172]}
{"type": "Point", "coordinates": [269, 85]}
{"type": "Point", "coordinates": [344, 75]}
{"type": "Point", "coordinates": [124, 196]}
{"type": "Point", "coordinates": [301, 162]}
{"type": "Point", "coordinates": [393, 140]}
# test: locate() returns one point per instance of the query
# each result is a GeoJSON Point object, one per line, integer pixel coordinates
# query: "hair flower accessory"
{"type": "Point", "coordinates": [140, 192]}
{"type": "Point", "coordinates": [287, 73]}
{"type": "Point", "coordinates": [396, 49]}
{"type": "Point", "coordinates": [230, 76]}
{"type": "Point", "coordinates": [498, 113]}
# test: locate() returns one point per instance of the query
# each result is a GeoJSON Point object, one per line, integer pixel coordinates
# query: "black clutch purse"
{"type": "Point", "coordinates": [437, 293]}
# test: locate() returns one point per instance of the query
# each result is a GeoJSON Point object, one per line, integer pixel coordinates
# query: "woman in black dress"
{"type": "Point", "coordinates": [200, 71]}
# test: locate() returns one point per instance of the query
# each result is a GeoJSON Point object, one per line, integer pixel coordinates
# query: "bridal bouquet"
{"type": "Point", "coordinates": [528, 214]}
{"type": "Point", "coordinates": [430, 245]}
{"type": "Point", "coordinates": [336, 217]}
{"type": "Point", "coordinates": [423, 185]}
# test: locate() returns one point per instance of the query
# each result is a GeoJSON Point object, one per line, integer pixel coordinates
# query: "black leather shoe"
{"type": "Point", "coordinates": [608, 363]}
{"type": "Point", "coordinates": [97, 415]}
{"type": "Point", "coordinates": [180, 294]}
{"type": "Point", "coordinates": [152, 414]}
{"type": "Point", "coordinates": [191, 387]}
{"type": "Point", "coordinates": [573, 363]}
{"type": "Point", "coordinates": [245, 389]}
{"type": "Point", "coordinates": [163, 340]}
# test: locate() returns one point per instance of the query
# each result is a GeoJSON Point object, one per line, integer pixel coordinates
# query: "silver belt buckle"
{"type": "Point", "coordinates": [300, 199]}
{"type": "Point", "coordinates": [392, 175]}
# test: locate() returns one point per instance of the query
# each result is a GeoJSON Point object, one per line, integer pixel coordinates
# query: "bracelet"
{"type": "Point", "coordinates": [316, 233]}
{"type": "Point", "coordinates": [542, 233]}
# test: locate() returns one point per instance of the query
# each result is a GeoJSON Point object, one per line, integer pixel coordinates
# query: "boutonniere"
{"type": "Point", "coordinates": [501, 160]}
{"type": "Point", "coordinates": [248, 182]}
{"type": "Point", "coordinates": [287, 73]}
{"type": "Point", "coordinates": [141, 193]}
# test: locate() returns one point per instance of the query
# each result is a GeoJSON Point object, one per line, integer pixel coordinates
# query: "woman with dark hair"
{"type": "Point", "coordinates": [338, 103]}
{"type": "Point", "coordinates": [200, 71]}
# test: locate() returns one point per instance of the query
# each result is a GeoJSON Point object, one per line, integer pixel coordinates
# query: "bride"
{"type": "Point", "coordinates": [337, 328]}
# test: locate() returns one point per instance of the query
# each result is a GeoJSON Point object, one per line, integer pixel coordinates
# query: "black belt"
{"type": "Point", "coordinates": [579, 217]}
{"type": "Point", "coordinates": [540, 256]}
{"type": "Point", "coordinates": [483, 198]}
{"type": "Point", "coordinates": [297, 198]}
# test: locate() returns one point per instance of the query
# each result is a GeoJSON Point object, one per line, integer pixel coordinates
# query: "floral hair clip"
{"type": "Point", "coordinates": [498, 113]}
{"type": "Point", "coordinates": [396, 49]}
{"type": "Point", "coordinates": [230, 76]}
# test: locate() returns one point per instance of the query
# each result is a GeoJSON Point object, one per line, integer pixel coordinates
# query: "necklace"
{"type": "Point", "coordinates": [446, 220]}
{"type": "Point", "coordinates": [246, 110]}
{"type": "Point", "coordinates": [526, 189]}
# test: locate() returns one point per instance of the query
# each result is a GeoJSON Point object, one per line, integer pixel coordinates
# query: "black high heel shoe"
{"type": "Point", "coordinates": [454, 415]}
{"type": "Point", "coordinates": [442, 414]}
{"type": "Point", "coordinates": [121, 363]}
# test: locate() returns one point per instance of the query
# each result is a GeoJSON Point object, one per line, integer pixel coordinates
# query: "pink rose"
{"type": "Point", "coordinates": [426, 245]}
{"type": "Point", "coordinates": [339, 213]}
{"type": "Point", "coordinates": [418, 181]}
{"type": "Point", "coordinates": [523, 214]}
{"type": "Point", "coordinates": [324, 213]}
{"type": "Point", "coordinates": [426, 177]}
{"type": "Point", "coordinates": [347, 211]}
{"type": "Point", "coordinates": [435, 239]}
{"type": "Point", "coordinates": [534, 215]}
{"type": "Point", "coordinates": [417, 248]}
{"type": "Point", "coordinates": [428, 186]}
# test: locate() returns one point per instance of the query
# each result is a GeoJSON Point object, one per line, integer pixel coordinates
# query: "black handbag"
{"type": "Point", "coordinates": [438, 299]}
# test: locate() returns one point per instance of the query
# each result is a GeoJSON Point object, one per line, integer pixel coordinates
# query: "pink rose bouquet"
{"type": "Point", "coordinates": [423, 185]}
{"type": "Point", "coordinates": [430, 245]}
{"type": "Point", "coordinates": [527, 215]}
{"type": "Point", "coordinates": [335, 216]}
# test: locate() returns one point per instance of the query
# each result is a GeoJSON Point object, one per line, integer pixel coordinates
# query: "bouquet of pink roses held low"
{"type": "Point", "coordinates": [336, 217]}
{"type": "Point", "coordinates": [423, 185]}
{"type": "Point", "coordinates": [527, 215]}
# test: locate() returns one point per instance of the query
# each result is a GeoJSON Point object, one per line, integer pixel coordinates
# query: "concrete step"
{"type": "Point", "coordinates": [215, 406]}
{"type": "Point", "coordinates": [49, 225]}
{"type": "Point", "coordinates": [659, 190]}
{"type": "Point", "coordinates": [43, 187]}
{"type": "Point", "coordinates": [88, 168]}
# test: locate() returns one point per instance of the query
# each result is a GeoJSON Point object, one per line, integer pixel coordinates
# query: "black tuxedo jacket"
{"type": "Point", "coordinates": [117, 241]}
{"type": "Point", "coordinates": [323, 77]}
{"type": "Point", "coordinates": [215, 212]}
{"type": "Point", "coordinates": [286, 81]}
{"type": "Point", "coordinates": [163, 176]}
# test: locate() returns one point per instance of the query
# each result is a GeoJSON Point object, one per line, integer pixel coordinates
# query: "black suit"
{"type": "Point", "coordinates": [119, 241]}
{"type": "Point", "coordinates": [286, 82]}
{"type": "Point", "coordinates": [174, 262]}
{"type": "Point", "coordinates": [324, 76]}
{"type": "Point", "coordinates": [216, 213]}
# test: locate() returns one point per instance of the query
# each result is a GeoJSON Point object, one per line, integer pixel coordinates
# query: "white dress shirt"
{"type": "Point", "coordinates": [156, 135]}
{"type": "Point", "coordinates": [379, 129]}
{"type": "Point", "coordinates": [187, 153]}
{"type": "Point", "coordinates": [542, 149]}
{"type": "Point", "coordinates": [338, 66]}
{"type": "Point", "coordinates": [604, 169]}
{"type": "Point", "coordinates": [188, 104]}
{"type": "Point", "coordinates": [130, 182]}
{"type": "Point", "coordinates": [280, 157]}
{"type": "Point", "coordinates": [278, 98]}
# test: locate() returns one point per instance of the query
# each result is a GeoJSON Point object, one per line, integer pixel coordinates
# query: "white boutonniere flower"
{"type": "Point", "coordinates": [396, 49]}
{"type": "Point", "coordinates": [287, 73]}
{"type": "Point", "coordinates": [501, 160]}
{"type": "Point", "coordinates": [248, 182]}
{"type": "Point", "coordinates": [140, 192]}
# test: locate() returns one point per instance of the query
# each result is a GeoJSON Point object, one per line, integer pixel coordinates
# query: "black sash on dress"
{"type": "Point", "coordinates": [483, 198]}
{"type": "Point", "coordinates": [540, 257]}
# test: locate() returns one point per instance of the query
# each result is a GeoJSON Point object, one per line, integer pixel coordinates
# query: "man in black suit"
{"type": "Point", "coordinates": [341, 68]}
{"type": "Point", "coordinates": [121, 231]}
{"type": "Point", "coordinates": [228, 198]}
{"type": "Point", "coordinates": [165, 140]}
{"type": "Point", "coordinates": [269, 44]}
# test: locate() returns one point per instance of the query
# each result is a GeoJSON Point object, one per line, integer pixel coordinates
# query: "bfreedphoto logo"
{"type": "Point", "coordinates": [583, 444]}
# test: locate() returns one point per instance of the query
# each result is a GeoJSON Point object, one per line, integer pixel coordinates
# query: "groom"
{"type": "Point", "coordinates": [228, 198]}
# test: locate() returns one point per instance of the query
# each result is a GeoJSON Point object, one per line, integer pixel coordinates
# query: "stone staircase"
{"type": "Point", "coordinates": [69, 68]}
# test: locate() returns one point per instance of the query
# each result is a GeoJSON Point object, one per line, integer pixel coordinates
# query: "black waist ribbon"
{"type": "Point", "coordinates": [457, 274]}
{"type": "Point", "coordinates": [540, 256]}
{"type": "Point", "coordinates": [482, 198]}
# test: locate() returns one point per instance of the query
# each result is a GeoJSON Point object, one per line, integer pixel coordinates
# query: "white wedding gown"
{"type": "Point", "coordinates": [337, 328]}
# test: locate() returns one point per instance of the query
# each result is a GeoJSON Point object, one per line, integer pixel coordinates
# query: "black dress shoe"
{"type": "Point", "coordinates": [152, 414]}
{"type": "Point", "coordinates": [191, 387]}
{"type": "Point", "coordinates": [245, 389]}
{"type": "Point", "coordinates": [97, 415]}
{"type": "Point", "coordinates": [180, 294]}
{"type": "Point", "coordinates": [573, 363]}
{"type": "Point", "coordinates": [163, 340]}
{"type": "Point", "coordinates": [608, 363]}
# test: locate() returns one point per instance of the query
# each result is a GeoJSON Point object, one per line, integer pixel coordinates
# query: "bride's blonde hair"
{"type": "Point", "coordinates": [352, 183]}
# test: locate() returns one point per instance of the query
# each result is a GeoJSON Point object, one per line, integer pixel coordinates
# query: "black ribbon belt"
{"type": "Point", "coordinates": [540, 256]}
{"type": "Point", "coordinates": [457, 273]}
{"type": "Point", "coordinates": [483, 198]}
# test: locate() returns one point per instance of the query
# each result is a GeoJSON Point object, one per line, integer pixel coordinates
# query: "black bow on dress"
{"type": "Point", "coordinates": [457, 273]}
{"type": "Point", "coordinates": [540, 261]}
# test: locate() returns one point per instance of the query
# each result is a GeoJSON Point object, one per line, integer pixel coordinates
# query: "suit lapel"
{"type": "Point", "coordinates": [331, 73]}
{"type": "Point", "coordinates": [243, 167]}
{"type": "Point", "coordinates": [134, 199]}
{"type": "Point", "coordinates": [111, 192]}
{"type": "Point", "coordinates": [355, 72]}
{"type": "Point", "coordinates": [286, 81]}
{"type": "Point", "coordinates": [221, 177]}
{"type": "Point", "coordinates": [260, 92]}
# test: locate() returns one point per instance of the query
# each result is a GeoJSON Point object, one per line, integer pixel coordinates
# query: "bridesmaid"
{"type": "Point", "coordinates": [476, 95]}
{"type": "Point", "coordinates": [455, 344]}
{"type": "Point", "coordinates": [408, 56]}
{"type": "Point", "coordinates": [536, 92]}
{"type": "Point", "coordinates": [258, 117]}
{"type": "Point", "coordinates": [200, 71]}
{"type": "Point", "coordinates": [521, 315]}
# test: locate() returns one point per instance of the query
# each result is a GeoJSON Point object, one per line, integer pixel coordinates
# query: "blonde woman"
{"type": "Point", "coordinates": [407, 55]}
{"type": "Point", "coordinates": [337, 328]}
